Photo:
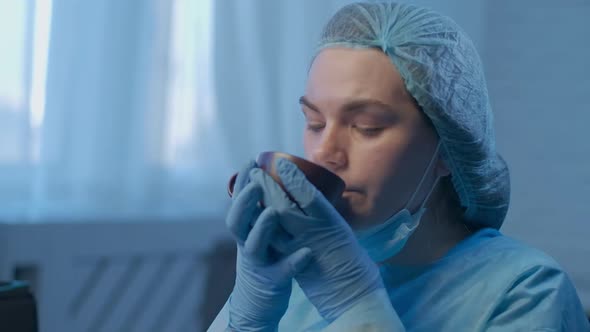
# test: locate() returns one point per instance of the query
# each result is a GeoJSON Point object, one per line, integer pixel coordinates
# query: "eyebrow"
{"type": "Point", "coordinates": [352, 106]}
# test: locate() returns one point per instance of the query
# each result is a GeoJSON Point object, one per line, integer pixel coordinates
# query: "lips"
{"type": "Point", "coordinates": [352, 190]}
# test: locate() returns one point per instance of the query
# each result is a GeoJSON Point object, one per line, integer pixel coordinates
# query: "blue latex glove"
{"type": "Point", "coordinates": [263, 278]}
{"type": "Point", "coordinates": [341, 272]}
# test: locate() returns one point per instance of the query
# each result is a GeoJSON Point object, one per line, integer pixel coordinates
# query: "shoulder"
{"type": "Point", "coordinates": [497, 282]}
{"type": "Point", "coordinates": [531, 285]}
{"type": "Point", "coordinates": [513, 255]}
{"type": "Point", "coordinates": [511, 263]}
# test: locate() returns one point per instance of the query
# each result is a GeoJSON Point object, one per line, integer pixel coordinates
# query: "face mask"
{"type": "Point", "coordinates": [387, 239]}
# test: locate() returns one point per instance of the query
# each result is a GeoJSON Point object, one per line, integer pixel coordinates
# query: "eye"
{"type": "Point", "coordinates": [315, 126]}
{"type": "Point", "coordinates": [369, 131]}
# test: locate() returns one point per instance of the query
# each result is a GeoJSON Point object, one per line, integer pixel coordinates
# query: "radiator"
{"type": "Point", "coordinates": [124, 277]}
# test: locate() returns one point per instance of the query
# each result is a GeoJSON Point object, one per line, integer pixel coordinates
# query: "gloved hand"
{"type": "Point", "coordinates": [263, 278]}
{"type": "Point", "coordinates": [340, 272]}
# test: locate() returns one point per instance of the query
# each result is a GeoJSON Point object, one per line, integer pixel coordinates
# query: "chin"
{"type": "Point", "coordinates": [355, 216]}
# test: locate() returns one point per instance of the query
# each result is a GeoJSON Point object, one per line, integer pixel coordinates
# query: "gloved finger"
{"type": "Point", "coordinates": [294, 223]}
{"type": "Point", "coordinates": [243, 177]}
{"type": "Point", "coordinates": [282, 242]}
{"type": "Point", "coordinates": [273, 194]}
{"type": "Point", "coordinates": [309, 199]}
{"type": "Point", "coordinates": [244, 211]}
{"type": "Point", "coordinates": [295, 263]}
{"type": "Point", "coordinates": [257, 244]}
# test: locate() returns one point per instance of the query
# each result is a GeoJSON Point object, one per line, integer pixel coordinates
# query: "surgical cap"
{"type": "Point", "coordinates": [442, 70]}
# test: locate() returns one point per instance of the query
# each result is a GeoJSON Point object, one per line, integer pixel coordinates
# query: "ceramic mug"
{"type": "Point", "coordinates": [328, 183]}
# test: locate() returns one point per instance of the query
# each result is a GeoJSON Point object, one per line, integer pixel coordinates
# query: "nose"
{"type": "Point", "coordinates": [330, 150]}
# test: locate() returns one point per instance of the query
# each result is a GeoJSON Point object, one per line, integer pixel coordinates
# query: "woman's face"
{"type": "Point", "coordinates": [363, 125]}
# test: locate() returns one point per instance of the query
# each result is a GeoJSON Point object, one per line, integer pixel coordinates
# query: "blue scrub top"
{"type": "Point", "coordinates": [488, 282]}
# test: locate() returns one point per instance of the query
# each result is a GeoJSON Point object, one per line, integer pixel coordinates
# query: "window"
{"type": "Point", "coordinates": [24, 36]}
{"type": "Point", "coordinates": [127, 131]}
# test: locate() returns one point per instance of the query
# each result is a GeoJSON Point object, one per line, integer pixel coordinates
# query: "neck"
{"type": "Point", "coordinates": [434, 237]}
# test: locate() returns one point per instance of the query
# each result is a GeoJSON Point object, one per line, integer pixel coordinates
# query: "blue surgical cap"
{"type": "Point", "coordinates": [442, 70]}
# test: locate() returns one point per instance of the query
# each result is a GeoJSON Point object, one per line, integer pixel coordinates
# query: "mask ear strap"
{"type": "Point", "coordinates": [430, 192]}
{"type": "Point", "coordinates": [432, 160]}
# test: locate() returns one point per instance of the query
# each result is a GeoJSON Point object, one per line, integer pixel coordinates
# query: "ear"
{"type": "Point", "coordinates": [441, 169]}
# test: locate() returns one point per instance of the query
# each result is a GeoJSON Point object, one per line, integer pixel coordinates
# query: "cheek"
{"type": "Point", "coordinates": [397, 174]}
{"type": "Point", "coordinates": [383, 166]}
{"type": "Point", "coordinates": [309, 144]}
{"type": "Point", "coordinates": [379, 163]}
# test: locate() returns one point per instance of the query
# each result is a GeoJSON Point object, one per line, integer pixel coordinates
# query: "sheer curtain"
{"type": "Point", "coordinates": [24, 38]}
{"type": "Point", "coordinates": [141, 110]}
{"type": "Point", "coordinates": [109, 116]}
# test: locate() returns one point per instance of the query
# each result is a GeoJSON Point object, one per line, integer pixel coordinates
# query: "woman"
{"type": "Point", "coordinates": [396, 104]}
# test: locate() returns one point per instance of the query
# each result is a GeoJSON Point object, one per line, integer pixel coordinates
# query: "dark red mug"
{"type": "Point", "coordinates": [328, 183]}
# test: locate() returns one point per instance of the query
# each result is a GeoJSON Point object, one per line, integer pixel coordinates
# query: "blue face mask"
{"type": "Point", "coordinates": [387, 239]}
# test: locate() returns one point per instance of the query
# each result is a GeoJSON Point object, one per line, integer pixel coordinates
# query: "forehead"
{"type": "Point", "coordinates": [344, 74]}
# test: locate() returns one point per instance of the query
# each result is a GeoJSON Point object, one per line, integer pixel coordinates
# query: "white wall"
{"type": "Point", "coordinates": [537, 57]}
